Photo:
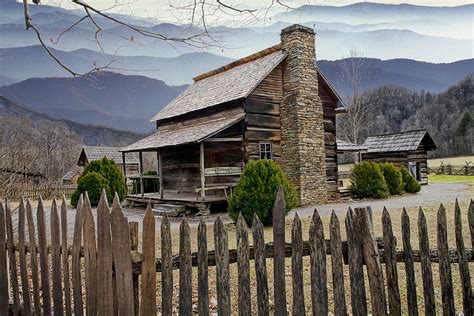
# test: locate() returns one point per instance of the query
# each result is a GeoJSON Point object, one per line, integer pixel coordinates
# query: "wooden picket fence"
{"type": "Point", "coordinates": [44, 190]}
{"type": "Point", "coordinates": [100, 275]}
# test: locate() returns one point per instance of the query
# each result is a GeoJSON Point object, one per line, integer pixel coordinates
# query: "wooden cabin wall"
{"type": "Point", "coordinates": [262, 117]}
{"type": "Point", "coordinates": [329, 116]}
{"type": "Point", "coordinates": [181, 168]}
{"type": "Point", "coordinates": [225, 154]}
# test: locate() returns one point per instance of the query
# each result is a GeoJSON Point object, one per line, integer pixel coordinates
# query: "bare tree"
{"type": "Point", "coordinates": [354, 70]}
{"type": "Point", "coordinates": [197, 14]}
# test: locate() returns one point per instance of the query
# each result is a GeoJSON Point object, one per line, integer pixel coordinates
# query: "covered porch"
{"type": "Point", "coordinates": [196, 164]}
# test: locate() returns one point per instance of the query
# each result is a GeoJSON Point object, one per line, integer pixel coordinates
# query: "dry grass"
{"type": "Point", "coordinates": [430, 212]}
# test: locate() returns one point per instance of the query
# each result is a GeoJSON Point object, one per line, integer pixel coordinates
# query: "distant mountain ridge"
{"type": "Point", "coordinates": [436, 34]}
{"type": "Point", "coordinates": [33, 61]}
{"type": "Point", "coordinates": [90, 135]}
{"type": "Point", "coordinates": [106, 99]}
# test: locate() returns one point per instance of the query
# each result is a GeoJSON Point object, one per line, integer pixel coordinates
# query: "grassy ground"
{"type": "Point", "coordinates": [443, 178]}
{"type": "Point", "coordinates": [454, 161]}
{"type": "Point", "coordinates": [430, 212]}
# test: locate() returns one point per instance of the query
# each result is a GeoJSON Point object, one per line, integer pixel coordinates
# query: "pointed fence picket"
{"type": "Point", "coordinates": [110, 263]}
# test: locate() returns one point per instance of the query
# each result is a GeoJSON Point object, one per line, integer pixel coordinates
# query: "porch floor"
{"type": "Point", "coordinates": [189, 199]}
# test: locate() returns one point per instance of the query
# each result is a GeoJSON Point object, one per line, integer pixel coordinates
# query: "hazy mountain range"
{"type": "Point", "coordinates": [107, 99]}
{"type": "Point", "coordinates": [436, 34]}
{"type": "Point", "coordinates": [420, 48]}
{"type": "Point", "coordinates": [89, 135]}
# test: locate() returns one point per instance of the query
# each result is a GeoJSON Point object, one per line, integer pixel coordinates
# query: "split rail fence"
{"type": "Point", "coordinates": [100, 275]}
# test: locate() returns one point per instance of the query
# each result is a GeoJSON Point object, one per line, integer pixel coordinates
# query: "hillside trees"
{"type": "Point", "coordinates": [447, 116]}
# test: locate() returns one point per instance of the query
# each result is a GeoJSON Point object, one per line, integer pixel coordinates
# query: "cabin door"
{"type": "Point", "coordinates": [414, 169]}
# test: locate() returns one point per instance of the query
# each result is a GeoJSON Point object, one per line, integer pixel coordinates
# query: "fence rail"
{"type": "Point", "coordinates": [103, 272]}
{"type": "Point", "coordinates": [467, 169]}
{"type": "Point", "coordinates": [46, 191]}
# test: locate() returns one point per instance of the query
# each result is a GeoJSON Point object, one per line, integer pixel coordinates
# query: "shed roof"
{"type": "Point", "coordinates": [404, 141]}
{"type": "Point", "coordinates": [343, 146]}
{"type": "Point", "coordinates": [184, 134]}
{"type": "Point", "coordinates": [70, 174]}
{"type": "Point", "coordinates": [93, 153]}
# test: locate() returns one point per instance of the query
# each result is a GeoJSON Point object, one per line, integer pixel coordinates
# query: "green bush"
{"type": "Point", "coordinates": [367, 180]}
{"type": "Point", "coordinates": [109, 170]}
{"type": "Point", "coordinates": [93, 183]}
{"type": "Point", "coordinates": [393, 177]}
{"type": "Point", "coordinates": [257, 189]}
{"type": "Point", "coordinates": [410, 184]}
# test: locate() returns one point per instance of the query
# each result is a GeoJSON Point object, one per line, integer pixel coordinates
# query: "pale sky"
{"type": "Point", "coordinates": [166, 10]}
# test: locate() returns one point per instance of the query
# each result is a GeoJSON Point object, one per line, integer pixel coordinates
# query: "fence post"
{"type": "Point", "coordinates": [279, 253]}
{"type": "Point", "coordinates": [23, 264]}
{"type": "Point", "coordinates": [43, 256]}
{"type": "Point", "coordinates": [337, 267]}
{"type": "Point", "coordinates": [428, 287]}
{"type": "Point", "coordinates": [243, 267]}
{"type": "Point", "coordinates": [12, 256]}
{"type": "Point", "coordinates": [76, 258]}
{"type": "Point", "coordinates": [372, 261]}
{"type": "Point", "coordinates": [166, 268]}
{"type": "Point", "coordinates": [203, 281]}
{"type": "Point", "coordinates": [390, 255]}
{"type": "Point", "coordinates": [222, 268]}
{"type": "Point", "coordinates": [444, 264]}
{"type": "Point", "coordinates": [185, 270]}
{"type": "Point", "coordinates": [90, 258]}
{"type": "Point", "coordinates": [470, 216]}
{"type": "Point", "coordinates": [104, 258]}
{"type": "Point", "coordinates": [56, 260]}
{"type": "Point", "coordinates": [148, 306]}
{"type": "Point", "coordinates": [463, 265]}
{"type": "Point", "coordinates": [65, 257]}
{"type": "Point", "coordinates": [122, 259]}
{"type": "Point", "coordinates": [133, 227]}
{"type": "Point", "coordinates": [317, 250]}
{"type": "Point", "coordinates": [409, 265]}
{"type": "Point", "coordinates": [4, 296]}
{"type": "Point", "coordinates": [356, 268]}
{"type": "Point", "coordinates": [297, 266]}
{"type": "Point", "coordinates": [260, 266]}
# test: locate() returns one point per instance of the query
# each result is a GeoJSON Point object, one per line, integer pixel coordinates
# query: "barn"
{"type": "Point", "coordinates": [274, 104]}
{"type": "Point", "coordinates": [408, 148]}
{"type": "Point", "coordinates": [93, 153]}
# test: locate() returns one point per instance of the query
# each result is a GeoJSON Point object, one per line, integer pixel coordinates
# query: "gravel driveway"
{"type": "Point", "coordinates": [432, 194]}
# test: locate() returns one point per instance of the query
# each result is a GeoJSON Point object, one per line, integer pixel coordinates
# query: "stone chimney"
{"type": "Point", "coordinates": [302, 126]}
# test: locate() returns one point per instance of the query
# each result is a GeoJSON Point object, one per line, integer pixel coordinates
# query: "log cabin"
{"type": "Point", "coordinates": [409, 149]}
{"type": "Point", "coordinates": [274, 104]}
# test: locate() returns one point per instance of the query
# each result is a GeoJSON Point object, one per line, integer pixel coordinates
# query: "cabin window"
{"type": "Point", "coordinates": [265, 150]}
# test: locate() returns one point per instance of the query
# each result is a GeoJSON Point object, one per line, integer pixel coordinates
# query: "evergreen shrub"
{"type": "Point", "coordinates": [367, 180]}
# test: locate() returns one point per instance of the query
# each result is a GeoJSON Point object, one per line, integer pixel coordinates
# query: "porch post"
{"type": "Point", "coordinates": [203, 178]}
{"type": "Point", "coordinates": [142, 189]}
{"type": "Point", "coordinates": [124, 171]}
{"type": "Point", "coordinates": [160, 173]}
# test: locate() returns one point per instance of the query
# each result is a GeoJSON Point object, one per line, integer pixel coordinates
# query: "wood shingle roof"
{"type": "Point", "coordinates": [93, 153]}
{"type": "Point", "coordinates": [228, 83]}
{"type": "Point", "coordinates": [183, 134]}
{"type": "Point", "coordinates": [404, 141]}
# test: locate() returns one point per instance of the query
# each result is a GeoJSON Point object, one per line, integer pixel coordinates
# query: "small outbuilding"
{"type": "Point", "coordinates": [408, 148]}
{"type": "Point", "coordinates": [92, 153]}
